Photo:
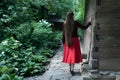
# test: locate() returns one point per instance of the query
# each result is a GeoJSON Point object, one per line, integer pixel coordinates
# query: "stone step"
{"type": "Point", "coordinates": [109, 64]}
{"type": "Point", "coordinates": [106, 52]}
{"type": "Point", "coordinates": [107, 43]}
{"type": "Point", "coordinates": [108, 33]}
{"type": "Point", "coordinates": [106, 39]}
{"type": "Point", "coordinates": [108, 20]}
{"type": "Point", "coordinates": [109, 49]}
{"type": "Point", "coordinates": [108, 3]}
{"type": "Point", "coordinates": [106, 27]}
{"type": "Point", "coordinates": [109, 11]}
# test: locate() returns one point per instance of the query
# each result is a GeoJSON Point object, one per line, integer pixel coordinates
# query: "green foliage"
{"type": "Point", "coordinates": [10, 77]}
{"type": "Point", "coordinates": [61, 7]}
{"type": "Point", "coordinates": [14, 13]}
{"type": "Point", "coordinates": [28, 52]}
{"type": "Point", "coordinates": [27, 40]}
{"type": "Point", "coordinates": [26, 10]}
{"type": "Point", "coordinates": [79, 10]}
{"type": "Point", "coordinates": [5, 74]}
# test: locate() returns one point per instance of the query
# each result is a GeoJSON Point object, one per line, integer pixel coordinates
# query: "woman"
{"type": "Point", "coordinates": [72, 52]}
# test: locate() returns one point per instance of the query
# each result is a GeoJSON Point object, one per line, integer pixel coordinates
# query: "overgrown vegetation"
{"type": "Point", "coordinates": [26, 39]}
{"type": "Point", "coordinates": [28, 52]}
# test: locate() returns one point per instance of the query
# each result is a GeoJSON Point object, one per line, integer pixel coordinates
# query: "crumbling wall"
{"type": "Point", "coordinates": [101, 40]}
{"type": "Point", "coordinates": [89, 33]}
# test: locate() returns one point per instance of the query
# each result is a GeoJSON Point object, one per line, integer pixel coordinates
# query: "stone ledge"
{"type": "Point", "coordinates": [100, 77]}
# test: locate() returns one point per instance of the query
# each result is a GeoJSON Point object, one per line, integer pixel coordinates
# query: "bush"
{"type": "Point", "coordinates": [26, 40]}
{"type": "Point", "coordinates": [28, 52]}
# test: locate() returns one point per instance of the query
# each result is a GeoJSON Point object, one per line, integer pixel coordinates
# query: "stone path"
{"type": "Point", "coordinates": [58, 70]}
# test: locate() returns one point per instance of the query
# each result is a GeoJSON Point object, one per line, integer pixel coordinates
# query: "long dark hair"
{"type": "Point", "coordinates": [68, 27]}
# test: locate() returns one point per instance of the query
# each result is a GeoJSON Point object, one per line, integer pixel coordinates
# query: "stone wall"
{"type": "Point", "coordinates": [101, 40]}
{"type": "Point", "coordinates": [108, 20]}
{"type": "Point", "coordinates": [89, 33]}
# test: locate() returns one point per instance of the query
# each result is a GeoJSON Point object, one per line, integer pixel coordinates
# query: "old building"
{"type": "Point", "coordinates": [102, 39]}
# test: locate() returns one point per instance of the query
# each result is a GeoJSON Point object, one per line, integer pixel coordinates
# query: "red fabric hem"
{"type": "Point", "coordinates": [72, 54]}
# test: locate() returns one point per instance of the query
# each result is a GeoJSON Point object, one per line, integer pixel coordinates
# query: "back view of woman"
{"type": "Point", "coordinates": [72, 52]}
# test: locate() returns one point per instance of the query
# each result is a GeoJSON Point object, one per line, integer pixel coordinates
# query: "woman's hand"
{"type": "Point", "coordinates": [90, 19]}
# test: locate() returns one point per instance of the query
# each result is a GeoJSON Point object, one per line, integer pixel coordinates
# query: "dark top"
{"type": "Point", "coordinates": [75, 29]}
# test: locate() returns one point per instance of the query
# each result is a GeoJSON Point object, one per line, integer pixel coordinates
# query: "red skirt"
{"type": "Point", "coordinates": [72, 54]}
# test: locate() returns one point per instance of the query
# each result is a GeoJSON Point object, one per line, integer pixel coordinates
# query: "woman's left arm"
{"type": "Point", "coordinates": [82, 26]}
{"type": "Point", "coordinates": [87, 25]}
